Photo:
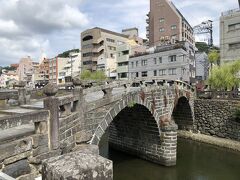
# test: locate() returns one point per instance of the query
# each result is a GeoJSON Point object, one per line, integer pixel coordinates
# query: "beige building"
{"type": "Point", "coordinates": [98, 48]}
{"type": "Point", "coordinates": [26, 70]}
{"type": "Point", "coordinates": [71, 69]}
{"type": "Point", "coordinates": [230, 35]}
{"type": "Point", "coordinates": [166, 24]}
{"type": "Point", "coordinates": [56, 67]}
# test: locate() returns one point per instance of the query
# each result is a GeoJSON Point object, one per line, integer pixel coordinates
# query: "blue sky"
{"type": "Point", "coordinates": [29, 26]}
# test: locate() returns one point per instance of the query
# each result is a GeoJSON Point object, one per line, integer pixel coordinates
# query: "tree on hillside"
{"type": "Point", "coordinates": [66, 54]}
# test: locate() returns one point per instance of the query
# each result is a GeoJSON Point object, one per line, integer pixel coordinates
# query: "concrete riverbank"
{"type": "Point", "coordinates": [220, 142]}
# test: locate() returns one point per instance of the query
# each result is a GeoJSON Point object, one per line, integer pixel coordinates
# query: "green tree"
{"type": "Point", "coordinates": [213, 58]}
{"type": "Point", "coordinates": [86, 75]}
{"type": "Point", "coordinates": [97, 75]}
{"type": "Point", "coordinates": [225, 77]}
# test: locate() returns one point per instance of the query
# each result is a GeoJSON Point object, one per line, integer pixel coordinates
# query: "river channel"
{"type": "Point", "coordinates": [195, 161]}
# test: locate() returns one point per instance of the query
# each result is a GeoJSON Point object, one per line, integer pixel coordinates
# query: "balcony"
{"type": "Point", "coordinates": [97, 49]}
{"type": "Point", "coordinates": [122, 69]}
{"type": "Point", "coordinates": [97, 41]}
{"type": "Point", "coordinates": [123, 58]}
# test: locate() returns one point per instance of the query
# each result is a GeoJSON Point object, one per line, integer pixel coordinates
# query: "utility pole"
{"type": "Point", "coordinates": [205, 27]}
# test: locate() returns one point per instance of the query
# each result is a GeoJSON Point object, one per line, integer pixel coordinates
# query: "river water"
{"type": "Point", "coordinates": [195, 161]}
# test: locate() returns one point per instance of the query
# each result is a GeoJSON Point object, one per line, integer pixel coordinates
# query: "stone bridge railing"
{"type": "Point", "coordinates": [65, 126]}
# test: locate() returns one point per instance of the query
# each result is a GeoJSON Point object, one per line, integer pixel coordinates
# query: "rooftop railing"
{"type": "Point", "coordinates": [230, 12]}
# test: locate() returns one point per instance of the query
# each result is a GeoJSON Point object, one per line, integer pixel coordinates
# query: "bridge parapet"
{"type": "Point", "coordinates": [24, 144]}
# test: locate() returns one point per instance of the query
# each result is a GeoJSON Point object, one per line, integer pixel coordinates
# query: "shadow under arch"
{"type": "Point", "coordinates": [134, 131]}
{"type": "Point", "coordinates": [183, 114]}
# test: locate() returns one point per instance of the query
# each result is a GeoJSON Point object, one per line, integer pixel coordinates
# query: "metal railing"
{"type": "Point", "coordinates": [213, 94]}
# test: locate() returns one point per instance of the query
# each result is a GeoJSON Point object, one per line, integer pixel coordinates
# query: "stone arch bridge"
{"type": "Point", "coordinates": [141, 116]}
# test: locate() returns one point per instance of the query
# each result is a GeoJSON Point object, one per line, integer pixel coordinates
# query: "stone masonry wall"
{"type": "Point", "coordinates": [215, 117]}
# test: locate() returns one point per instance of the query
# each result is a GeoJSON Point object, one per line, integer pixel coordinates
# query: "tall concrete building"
{"type": "Point", "coordinates": [98, 48]}
{"type": "Point", "coordinates": [230, 35]}
{"type": "Point", "coordinates": [166, 24]}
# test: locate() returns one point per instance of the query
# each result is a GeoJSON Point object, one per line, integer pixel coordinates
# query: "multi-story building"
{"type": "Point", "coordinates": [169, 62]}
{"type": "Point", "coordinates": [56, 66]}
{"type": "Point", "coordinates": [71, 69]}
{"type": "Point", "coordinates": [98, 48]}
{"type": "Point", "coordinates": [41, 74]}
{"type": "Point", "coordinates": [202, 66]}
{"type": "Point", "coordinates": [26, 70]}
{"type": "Point", "coordinates": [166, 24]}
{"type": "Point", "coordinates": [124, 51]}
{"type": "Point", "coordinates": [230, 35]}
{"type": "Point", "coordinates": [8, 78]}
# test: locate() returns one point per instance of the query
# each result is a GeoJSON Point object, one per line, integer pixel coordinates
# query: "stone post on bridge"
{"type": "Point", "coordinates": [22, 93]}
{"type": "Point", "coordinates": [107, 92]}
{"type": "Point", "coordinates": [51, 104]}
{"type": "Point", "coordinates": [78, 92]}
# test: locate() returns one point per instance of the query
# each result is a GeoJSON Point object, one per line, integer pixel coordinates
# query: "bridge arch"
{"type": "Point", "coordinates": [183, 113]}
{"type": "Point", "coordinates": [147, 140]}
{"type": "Point", "coordinates": [127, 101]}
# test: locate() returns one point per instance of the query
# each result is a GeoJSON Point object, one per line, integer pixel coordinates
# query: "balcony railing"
{"type": "Point", "coordinates": [230, 12]}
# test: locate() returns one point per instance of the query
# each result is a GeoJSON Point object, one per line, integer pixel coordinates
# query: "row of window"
{"type": "Point", "coordinates": [161, 72]}
{"type": "Point", "coordinates": [172, 58]}
{"type": "Point", "coordinates": [173, 27]}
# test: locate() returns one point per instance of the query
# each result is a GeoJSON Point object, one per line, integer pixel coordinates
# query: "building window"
{"type": "Point", "coordinates": [144, 74]}
{"type": "Point", "coordinates": [110, 40]}
{"type": "Point", "coordinates": [173, 27]}
{"type": "Point", "coordinates": [136, 74]}
{"type": "Point", "coordinates": [233, 27]}
{"type": "Point", "coordinates": [234, 46]}
{"type": "Point", "coordinates": [161, 20]}
{"type": "Point", "coordinates": [160, 60]}
{"type": "Point", "coordinates": [162, 72]}
{"type": "Point", "coordinates": [144, 62]}
{"type": "Point", "coordinates": [172, 58]}
{"type": "Point", "coordinates": [155, 60]}
{"type": "Point", "coordinates": [132, 64]}
{"type": "Point", "coordinates": [172, 71]}
{"type": "Point", "coordinates": [161, 29]}
{"type": "Point", "coordinates": [87, 54]}
{"type": "Point", "coordinates": [155, 73]}
{"type": "Point", "coordinates": [136, 63]}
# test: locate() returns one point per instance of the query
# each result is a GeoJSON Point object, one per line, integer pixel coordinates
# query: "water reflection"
{"type": "Point", "coordinates": [196, 161]}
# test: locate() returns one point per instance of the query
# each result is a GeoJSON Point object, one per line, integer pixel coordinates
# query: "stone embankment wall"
{"type": "Point", "coordinates": [215, 118]}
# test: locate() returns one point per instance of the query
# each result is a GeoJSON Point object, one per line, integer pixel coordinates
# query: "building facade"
{"type": "Point", "coordinates": [169, 62]}
{"type": "Point", "coordinates": [202, 66]}
{"type": "Point", "coordinates": [124, 52]}
{"type": "Point", "coordinates": [166, 24]}
{"type": "Point", "coordinates": [71, 69]}
{"type": "Point", "coordinates": [56, 66]}
{"type": "Point", "coordinates": [230, 36]}
{"type": "Point", "coordinates": [98, 48]}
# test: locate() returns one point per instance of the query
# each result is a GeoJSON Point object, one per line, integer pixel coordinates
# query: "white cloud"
{"type": "Point", "coordinates": [27, 26]}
